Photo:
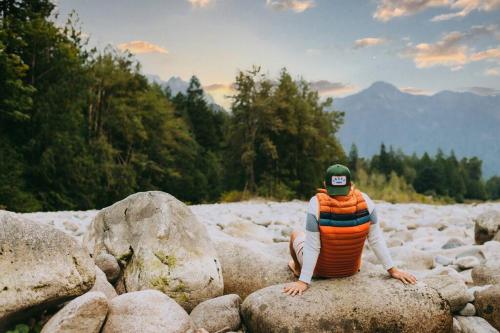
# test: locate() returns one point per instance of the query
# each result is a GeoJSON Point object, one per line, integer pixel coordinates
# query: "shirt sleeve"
{"type": "Point", "coordinates": [312, 243]}
{"type": "Point", "coordinates": [379, 247]}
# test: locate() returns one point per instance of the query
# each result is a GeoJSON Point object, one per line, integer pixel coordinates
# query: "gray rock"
{"type": "Point", "coordinates": [453, 243]}
{"type": "Point", "coordinates": [468, 310]}
{"type": "Point", "coordinates": [456, 326]}
{"type": "Point", "coordinates": [147, 311]}
{"type": "Point", "coordinates": [394, 242]}
{"type": "Point", "coordinates": [365, 302]}
{"type": "Point", "coordinates": [102, 285]}
{"type": "Point", "coordinates": [40, 266]}
{"type": "Point", "coordinates": [488, 305]}
{"type": "Point", "coordinates": [451, 288]}
{"type": "Point", "coordinates": [474, 325]}
{"type": "Point", "coordinates": [473, 251]}
{"type": "Point", "coordinates": [467, 262]}
{"type": "Point", "coordinates": [160, 245]}
{"type": "Point", "coordinates": [486, 274]}
{"type": "Point", "coordinates": [248, 266]}
{"type": "Point", "coordinates": [109, 265]}
{"type": "Point", "coordinates": [406, 258]}
{"type": "Point", "coordinates": [486, 226]}
{"type": "Point", "coordinates": [84, 314]}
{"type": "Point", "coordinates": [442, 260]}
{"type": "Point", "coordinates": [217, 314]}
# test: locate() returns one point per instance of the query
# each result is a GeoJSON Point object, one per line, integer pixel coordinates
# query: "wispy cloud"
{"type": "Point", "coordinates": [493, 71]}
{"type": "Point", "coordinates": [327, 88]}
{"type": "Point", "coordinates": [200, 3]}
{"type": "Point", "coordinates": [465, 7]}
{"type": "Point", "coordinates": [369, 41]}
{"type": "Point", "coordinates": [483, 91]}
{"type": "Point", "coordinates": [297, 6]}
{"type": "Point", "coordinates": [219, 88]}
{"type": "Point", "coordinates": [452, 49]}
{"type": "Point", "coordinates": [390, 9]}
{"type": "Point", "coordinates": [141, 47]}
{"type": "Point", "coordinates": [415, 91]}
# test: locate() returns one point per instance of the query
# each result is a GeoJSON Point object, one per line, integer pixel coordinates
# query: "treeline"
{"type": "Point", "coordinates": [82, 129]}
{"type": "Point", "coordinates": [439, 177]}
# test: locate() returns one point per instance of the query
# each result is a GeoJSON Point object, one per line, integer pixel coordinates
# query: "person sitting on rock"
{"type": "Point", "coordinates": [339, 220]}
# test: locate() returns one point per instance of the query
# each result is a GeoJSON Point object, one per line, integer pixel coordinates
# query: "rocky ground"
{"type": "Point", "coordinates": [151, 241]}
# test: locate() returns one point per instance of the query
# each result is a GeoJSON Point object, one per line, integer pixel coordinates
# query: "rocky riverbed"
{"type": "Point", "coordinates": [192, 255]}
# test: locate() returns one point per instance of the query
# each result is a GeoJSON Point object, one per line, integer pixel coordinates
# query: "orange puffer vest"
{"type": "Point", "coordinates": [344, 223]}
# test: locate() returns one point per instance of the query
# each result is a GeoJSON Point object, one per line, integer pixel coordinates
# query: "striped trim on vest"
{"type": "Point", "coordinates": [344, 223]}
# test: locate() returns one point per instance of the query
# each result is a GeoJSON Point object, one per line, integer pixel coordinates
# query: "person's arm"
{"type": "Point", "coordinates": [312, 246]}
{"type": "Point", "coordinates": [379, 247]}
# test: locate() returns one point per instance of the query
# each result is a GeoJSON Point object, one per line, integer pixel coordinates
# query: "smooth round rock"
{"type": "Point", "coordinates": [453, 243]}
{"type": "Point", "coordinates": [488, 305]}
{"type": "Point", "coordinates": [468, 310]}
{"type": "Point", "coordinates": [84, 314]}
{"type": "Point", "coordinates": [147, 311]}
{"type": "Point", "coordinates": [217, 314]}
{"type": "Point", "coordinates": [40, 266]}
{"type": "Point", "coordinates": [468, 262]}
{"type": "Point", "coordinates": [102, 285]}
{"type": "Point", "coordinates": [109, 265]}
{"type": "Point", "coordinates": [486, 226]}
{"type": "Point", "coordinates": [365, 302]}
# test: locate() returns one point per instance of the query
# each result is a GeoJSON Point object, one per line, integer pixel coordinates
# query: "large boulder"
{"type": "Point", "coordinates": [218, 314]}
{"type": "Point", "coordinates": [451, 288]}
{"type": "Point", "coordinates": [160, 245]}
{"type": "Point", "coordinates": [84, 314]}
{"type": "Point", "coordinates": [248, 266]}
{"type": "Point", "coordinates": [147, 311]}
{"type": "Point", "coordinates": [486, 226]}
{"type": "Point", "coordinates": [40, 266]}
{"type": "Point", "coordinates": [366, 302]}
{"type": "Point", "coordinates": [487, 302]}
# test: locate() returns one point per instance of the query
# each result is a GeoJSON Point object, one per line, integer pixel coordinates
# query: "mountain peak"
{"type": "Point", "coordinates": [383, 87]}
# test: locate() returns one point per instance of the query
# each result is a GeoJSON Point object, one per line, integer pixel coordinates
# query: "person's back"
{"type": "Point", "coordinates": [339, 220]}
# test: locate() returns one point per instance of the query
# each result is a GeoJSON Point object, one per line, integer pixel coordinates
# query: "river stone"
{"type": "Point", "coordinates": [474, 325]}
{"type": "Point", "coordinates": [102, 285]}
{"type": "Point", "coordinates": [468, 310]}
{"type": "Point", "coordinates": [248, 266]}
{"type": "Point", "coordinates": [84, 314]}
{"type": "Point", "coordinates": [486, 274]}
{"type": "Point", "coordinates": [217, 314]}
{"type": "Point", "coordinates": [453, 243]}
{"type": "Point", "coordinates": [486, 226]}
{"type": "Point", "coordinates": [147, 311]}
{"type": "Point", "coordinates": [468, 262]}
{"type": "Point", "coordinates": [40, 266]}
{"type": "Point", "coordinates": [442, 260]}
{"type": "Point", "coordinates": [451, 288]}
{"type": "Point", "coordinates": [488, 305]}
{"type": "Point", "coordinates": [160, 245]}
{"type": "Point", "coordinates": [366, 302]}
{"type": "Point", "coordinates": [109, 265]}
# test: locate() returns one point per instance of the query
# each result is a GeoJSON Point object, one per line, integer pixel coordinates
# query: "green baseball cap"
{"type": "Point", "coordinates": [338, 180]}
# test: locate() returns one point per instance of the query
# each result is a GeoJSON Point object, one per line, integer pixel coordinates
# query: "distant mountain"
{"type": "Point", "coordinates": [464, 122]}
{"type": "Point", "coordinates": [178, 85]}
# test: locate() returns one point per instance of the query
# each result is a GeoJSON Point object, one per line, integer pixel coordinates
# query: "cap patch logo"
{"type": "Point", "coordinates": [339, 180]}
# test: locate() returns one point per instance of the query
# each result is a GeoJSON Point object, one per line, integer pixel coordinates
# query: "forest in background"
{"type": "Point", "coordinates": [82, 128]}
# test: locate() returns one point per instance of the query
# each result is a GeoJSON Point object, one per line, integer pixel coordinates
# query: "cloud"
{"type": "Point", "coordinates": [490, 54]}
{"type": "Point", "coordinates": [483, 91]}
{"type": "Point", "coordinates": [452, 49]}
{"type": "Point", "coordinates": [297, 6]}
{"type": "Point", "coordinates": [324, 87]}
{"type": "Point", "coordinates": [219, 88]}
{"type": "Point", "coordinates": [494, 71]}
{"type": "Point", "coordinates": [389, 9]}
{"type": "Point", "coordinates": [366, 42]}
{"type": "Point", "coordinates": [141, 47]}
{"type": "Point", "coordinates": [200, 3]}
{"type": "Point", "coordinates": [415, 91]}
{"type": "Point", "coordinates": [465, 7]}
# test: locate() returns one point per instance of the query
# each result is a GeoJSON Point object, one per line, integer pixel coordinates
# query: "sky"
{"type": "Point", "coordinates": [341, 47]}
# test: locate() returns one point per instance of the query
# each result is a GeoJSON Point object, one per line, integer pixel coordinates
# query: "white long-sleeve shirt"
{"type": "Point", "coordinates": [312, 243]}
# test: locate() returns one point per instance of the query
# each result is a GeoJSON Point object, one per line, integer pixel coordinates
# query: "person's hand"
{"type": "Point", "coordinates": [402, 275]}
{"type": "Point", "coordinates": [295, 288]}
